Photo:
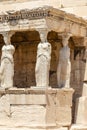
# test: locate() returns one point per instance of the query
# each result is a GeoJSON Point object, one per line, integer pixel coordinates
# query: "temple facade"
{"type": "Point", "coordinates": [55, 107]}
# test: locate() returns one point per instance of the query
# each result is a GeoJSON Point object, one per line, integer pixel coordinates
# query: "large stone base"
{"type": "Point", "coordinates": [36, 108]}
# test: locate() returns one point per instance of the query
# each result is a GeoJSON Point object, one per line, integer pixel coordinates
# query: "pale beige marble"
{"type": "Point", "coordinates": [7, 66]}
{"type": "Point", "coordinates": [64, 65]}
{"type": "Point", "coordinates": [43, 63]}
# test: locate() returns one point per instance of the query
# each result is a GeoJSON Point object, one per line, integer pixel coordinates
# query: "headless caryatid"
{"type": "Point", "coordinates": [7, 66]}
{"type": "Point", "coordinates": [64, 65]}
{"type": "Point", "coordinates": [43, 62]}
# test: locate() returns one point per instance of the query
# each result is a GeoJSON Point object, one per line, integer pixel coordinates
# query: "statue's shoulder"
{"type": "Point", "coordinates": [4, 47]}
{"type": "Point", "coordinates": [39, 45]}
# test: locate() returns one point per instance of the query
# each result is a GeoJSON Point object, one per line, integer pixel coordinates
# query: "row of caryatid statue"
{"type": "Point", "coordinates": [42, 64]}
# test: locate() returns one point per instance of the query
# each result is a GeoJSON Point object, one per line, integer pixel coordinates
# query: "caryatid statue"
{"type": "Point", "coordinates": [43, 62]}
{"type": "Point", "coordinates": [7, 65]}
{"type": "Point", "coordinates": [64, 65]}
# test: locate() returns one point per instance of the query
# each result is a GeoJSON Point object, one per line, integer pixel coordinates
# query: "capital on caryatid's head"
{"type": "Point", "coordinates": [43, 35]}
{"type": "Point", "coordinates": [65, 38]}
{"type": "Point", "coordinates": [7, 37]}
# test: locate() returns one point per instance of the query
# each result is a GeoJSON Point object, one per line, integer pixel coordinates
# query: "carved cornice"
{"type": "Point", "coordinates": [12, 17]}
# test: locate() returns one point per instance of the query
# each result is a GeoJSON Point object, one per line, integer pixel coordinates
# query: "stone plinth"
{"type": "Point", "coordinates": [36, 108]}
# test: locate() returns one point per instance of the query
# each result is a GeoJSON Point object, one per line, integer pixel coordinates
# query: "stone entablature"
{"type": "Point", "coordinates": [24, 14]}
{"type": "Point", "coordinates": [38, 13]}
{"type": "Point", "coordinates": [43, 18]}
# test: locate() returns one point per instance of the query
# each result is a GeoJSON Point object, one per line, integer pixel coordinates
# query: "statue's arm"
{"type": "Point", "coordinates": [50, 50]}
{"type": "Point", "coordinates": [49, 47]}
{"type": "Point", "coordinates": [1, 68]}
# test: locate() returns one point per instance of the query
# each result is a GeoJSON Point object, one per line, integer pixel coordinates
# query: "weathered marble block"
{"type": "Point", "coordinates": [64, 97]}
{"type": "Point", "coordinates": [59, 97]}
{"type": "Point", "coordinates": [38, 107]}
{"type": "Point", "coordinates": [63, 116]}
{"type": "Point", "coordinates": [59, 102]}
{"type": "Point", "coordinates": [28, 115]}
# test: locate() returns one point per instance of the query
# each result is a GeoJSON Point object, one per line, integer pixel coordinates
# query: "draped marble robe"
{"type": "Point", "coordinates": [43, 64]}
{"type": "Point", "coordinates": [7, 66]}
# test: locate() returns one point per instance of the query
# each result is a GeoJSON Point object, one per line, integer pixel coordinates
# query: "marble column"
{"type": "Point", "coordinates": [7, 62]}
{"type": "Point", "coordinates": [64, 64]}
{"type": "Point", "coordinates": [43, 60]}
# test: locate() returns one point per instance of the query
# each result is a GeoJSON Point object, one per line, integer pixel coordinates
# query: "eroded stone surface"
{"type": "Point", "coordinates": [61, 112]}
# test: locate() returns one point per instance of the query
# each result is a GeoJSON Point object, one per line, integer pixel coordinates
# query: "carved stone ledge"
{"type": "Point", "coordinates": [13, 16]}
{"type": "Point", "coordinates": [35, 90]}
